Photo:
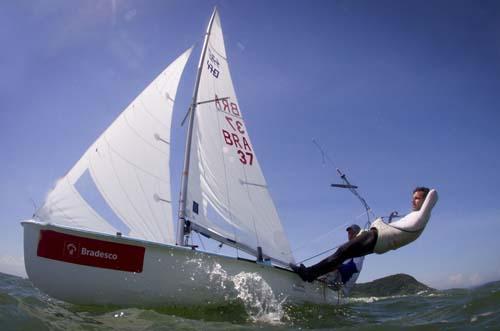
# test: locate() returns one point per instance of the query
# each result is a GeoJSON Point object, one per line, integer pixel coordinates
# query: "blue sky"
{"type": "Point", "coordinates": [399, 94]}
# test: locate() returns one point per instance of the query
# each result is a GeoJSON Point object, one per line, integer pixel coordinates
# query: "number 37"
{"type": "Point", "coordinates": [245, 157]}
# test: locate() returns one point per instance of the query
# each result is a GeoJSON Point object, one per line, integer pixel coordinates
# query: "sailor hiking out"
{"type": "Point", "coordinates": [380, 238]}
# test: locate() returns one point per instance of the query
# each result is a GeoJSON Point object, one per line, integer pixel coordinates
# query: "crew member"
{"type": "Point", "coordinates": [380, 238]}
{"type": "Point", "coordinates": [344, 278]}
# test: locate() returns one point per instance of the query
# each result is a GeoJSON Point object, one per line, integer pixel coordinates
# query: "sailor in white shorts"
{"type": "Point", "coordinates": [380, 238]}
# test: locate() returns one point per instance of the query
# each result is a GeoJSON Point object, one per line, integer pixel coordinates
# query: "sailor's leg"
{"type": "Point", "coordinates": [361, 245]}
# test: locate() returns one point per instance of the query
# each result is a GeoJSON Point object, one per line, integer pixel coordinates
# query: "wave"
{"type": "Point", "coordinates": [23, 307]}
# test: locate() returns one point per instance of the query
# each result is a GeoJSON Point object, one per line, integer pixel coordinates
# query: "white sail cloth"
{"type": "Point", "coordinates": [129, 165]}
{"type": "Point", "coordinates": [227, 192]}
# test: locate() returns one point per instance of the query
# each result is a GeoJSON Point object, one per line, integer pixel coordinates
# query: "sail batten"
{"type": "Point", "coordinates": [129, 167]}
{"type": "Point", "coordinates": [224, 172]}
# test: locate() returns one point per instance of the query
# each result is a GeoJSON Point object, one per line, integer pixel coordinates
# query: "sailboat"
{"type": "Point", "coordinates": [130, 254]}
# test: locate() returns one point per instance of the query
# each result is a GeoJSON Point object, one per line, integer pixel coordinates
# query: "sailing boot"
{"type": "Point", "coordinates": [301, 270]}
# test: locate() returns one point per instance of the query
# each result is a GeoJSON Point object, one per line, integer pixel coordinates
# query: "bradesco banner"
{"type": "Point", "coordinates": [92, 252]}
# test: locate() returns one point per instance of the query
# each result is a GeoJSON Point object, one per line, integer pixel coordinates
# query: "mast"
{"type": "Point", "coordinates": [181, 226]}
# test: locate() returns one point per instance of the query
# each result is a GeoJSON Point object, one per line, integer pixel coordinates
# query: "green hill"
{"type": "Point", "coordinates": [399, 284]}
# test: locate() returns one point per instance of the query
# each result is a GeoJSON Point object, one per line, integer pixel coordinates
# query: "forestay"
{"type": "Point", "coordinates": [129, 166]}
{"type": "Point", "coordinates": [227, 192]}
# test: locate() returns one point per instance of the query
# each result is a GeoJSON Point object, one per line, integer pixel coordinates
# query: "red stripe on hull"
{"type": "Point", "coordinates": [91, 252]}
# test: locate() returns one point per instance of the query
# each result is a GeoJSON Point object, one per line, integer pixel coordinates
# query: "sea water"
{"type": "Point", "coordinates": [24, 307]}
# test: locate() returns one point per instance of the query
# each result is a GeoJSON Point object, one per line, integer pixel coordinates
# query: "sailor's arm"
{"type": "Point", "coordinates": [407, 229]}
{"type": "Point", "coordinates": [417, 220]}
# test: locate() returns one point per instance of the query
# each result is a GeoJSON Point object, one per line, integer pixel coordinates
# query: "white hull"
{"type": "Point", "coordinates": [171, 275]}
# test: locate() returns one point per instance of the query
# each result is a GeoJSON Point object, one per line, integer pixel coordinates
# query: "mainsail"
{"type": "Point", "coordinates": [227, 194]}
{"type": "Point", "coordinates": [129, 166]}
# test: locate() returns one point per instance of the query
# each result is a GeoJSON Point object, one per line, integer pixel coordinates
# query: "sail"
{"type": "Point", "coordinates": [128, 165]}
{"type": "Point", "coordinates": [227, 192]}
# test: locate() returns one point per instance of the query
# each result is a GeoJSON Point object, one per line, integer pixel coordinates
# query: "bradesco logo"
{"type": "Point", "coordinates": [71, 249]}
{"type": "Point", "coordinates": [75, 250]}
{"type": "Point", "coordinates": [99, 254]}
{"type": "Point", "coordinates": [90, 252]}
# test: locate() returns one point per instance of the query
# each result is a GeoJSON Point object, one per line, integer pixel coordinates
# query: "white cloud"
{"type": "Point", "coordinates": [127, 51]}
{"type": "Point", "coordinates": [74, 23]}
{"type": "Point", "coordinates": [113, 12]}
{"type": "Point", "coordinates": [456, 279]}
{"type": "Point", "coordinates": [465, 280]}
{"type": "Point", "coordinates": [129, 15]}
{"type": "Point", "coordinates": [13, 265]}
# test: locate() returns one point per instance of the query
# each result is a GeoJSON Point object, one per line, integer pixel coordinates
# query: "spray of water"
{"type": "Point", "coordinates": [254, 292]}
{"type": "Point", "coordinates": [258, 297]}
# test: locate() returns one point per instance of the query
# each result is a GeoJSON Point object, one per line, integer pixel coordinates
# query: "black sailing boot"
{"type": "Point", "coordinates": [301, 270]}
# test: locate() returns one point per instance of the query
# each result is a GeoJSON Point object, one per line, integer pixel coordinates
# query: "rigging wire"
{"type": "Point", "coordinates": [330, 249]}
{"type": "Point", "coordinates": [319, 254]}
{"type": "Point", "coordinates": [201, 241]}
{"type": "Point", "coordinates": [35, 209]}
{"type": "Point", "coordinates": [320, 237]}
{"type": "Point", "coordinates": [347, 184]}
